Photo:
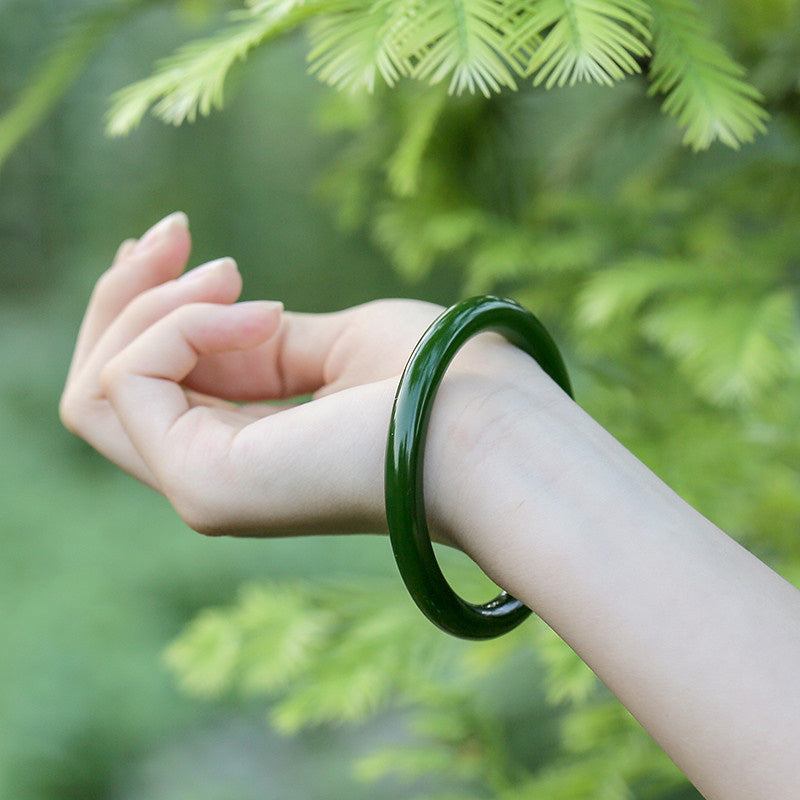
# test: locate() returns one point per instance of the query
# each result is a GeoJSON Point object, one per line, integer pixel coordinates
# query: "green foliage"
{"type": "Point", "coordinates": [704, 87]}
{"type": "Point", "coordinates": [57, 73]}
{"type": "Point", "coordinates": [481, 46]}
{"type": "Point", "coordinates": [336, 655]}
{"type": "Point", "coordinates": [192, 80]}
{"type": "Point", "coordinates": [586, 41]}
{"type": "Point", "coordinates": [343, 654]}
{"type": "Point", "coordinates": [670, 280]}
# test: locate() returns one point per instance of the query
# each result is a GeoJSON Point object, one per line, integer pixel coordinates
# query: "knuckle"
{"type": "Point", "coordinates": [149, 301]}
{"type": "Point", "coordinates": [199, 513]}
{"type": "Point", "coordinates": [105, 284]}
{"type": "Point", "coordinates": [109, 376]}
{"type": "Point", "coordinates": [68, 412]}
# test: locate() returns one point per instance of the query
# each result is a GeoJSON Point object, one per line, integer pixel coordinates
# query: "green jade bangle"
{"type": "Point", "coordinates": [405, 504]}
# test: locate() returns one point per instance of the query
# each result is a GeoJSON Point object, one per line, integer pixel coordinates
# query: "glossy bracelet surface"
{"type": "Point", "coordinates": [405, 503]}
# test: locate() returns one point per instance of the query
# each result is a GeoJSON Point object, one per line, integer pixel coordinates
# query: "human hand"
{"type": "Point", "coordinates": [175, 382]}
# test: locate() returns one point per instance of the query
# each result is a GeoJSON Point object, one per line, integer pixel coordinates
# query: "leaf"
{"type": "Point", "coordinates": [586, 40]}
{"type": "Point", "coordinates": [358, 42]}
{"type": "Point", "coordinates": [568, 678]}
{"type": "Point", "coordinates": [620, 291]}
{"type": "Point", "coordinates": [733, 351]}
{"type": "Point", "coordinates": [192, 80]}
{"type": "Point", "coordinates": [206, 654]}
{"type": "Point", "coordinates": [703, 85]}
{"type": "Point", "coordinates": [404, 165]}
{"type": "Point", "coordinates": [373, 651]}
{"type": "Point", "coordinates": [438, 231]}
{"type": "Point", "coordinates": [282, 630]}
{"type": "Point", "coordinates": [590, 778]}
{"type": "Point", "coordinates": [56, 74]}
{"type": "Point", "coordinates": [465, 39]}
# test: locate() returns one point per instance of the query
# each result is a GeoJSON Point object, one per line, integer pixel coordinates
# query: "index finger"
{"type": "Point", "coordinates": [143, 382]}
{"type": "Point", "coordinates": [160, 255]}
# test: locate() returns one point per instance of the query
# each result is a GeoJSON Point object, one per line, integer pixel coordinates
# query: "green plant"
{"type": "Point", "coordinates": [668, 276]}
{"type": "Point", "coordinates": [474, 45]}
{"type": "Point", "coordinates": [670, 279]}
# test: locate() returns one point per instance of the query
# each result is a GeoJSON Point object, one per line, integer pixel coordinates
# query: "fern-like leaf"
{"type": "Point", "coordinates": [733, 352]}
{"type": "Point", "coordinates": [586, 40]}
{"type": "Point", "coordinates": [437, 232]}
{"type": "Point", "coordinates": [192, 80]}
{"type": "Point", "coordinates": [466, 40]}
{"type": "Point", "coordinates": [57, 73]}
{"type": "Point", "coordinates": [620, 291]}
{"type": "Point", "coordinates": [703, 85]}
{"type": "Point", "coordinates": [404, 166]}
{"type": "Point", "coordinates": [358, 42]}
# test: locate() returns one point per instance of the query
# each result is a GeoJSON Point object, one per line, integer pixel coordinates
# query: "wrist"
{"type": "Point", "coordinates": [491, 398]}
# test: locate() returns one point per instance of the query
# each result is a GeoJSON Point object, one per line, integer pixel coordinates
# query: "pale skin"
{"type": "Point", "coordinates": [176, 382]}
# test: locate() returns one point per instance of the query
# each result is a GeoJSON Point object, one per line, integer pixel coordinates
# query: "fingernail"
{"type": "Point", "coordinates": [160, 230]}
{"type": "Point", "coordinates": [198, 273]}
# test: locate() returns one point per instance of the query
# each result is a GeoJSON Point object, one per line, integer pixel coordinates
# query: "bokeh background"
{"type": "Point", "coordinates": [96, 573]}
{"type": "Point", "coordinates": [98, 576]}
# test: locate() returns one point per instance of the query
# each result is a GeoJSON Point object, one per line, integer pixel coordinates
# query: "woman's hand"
{"type": "Point", "coordinates": [176, 383]}
{"type": "Point", "coordinates": [182, 386]}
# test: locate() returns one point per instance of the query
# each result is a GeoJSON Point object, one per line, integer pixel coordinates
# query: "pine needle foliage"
{"type": "Point", "coordinates": [472, 46]}
{"type": "Point", "coordinates": [191, 81]}
{"type": "Point", "coordinates": [704, 86]}
{"type": "Point", "coordinates": [670, 280]}
{"type": "Point", "coordinates": [586, 41]}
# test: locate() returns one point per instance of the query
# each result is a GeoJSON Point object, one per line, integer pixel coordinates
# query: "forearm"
{"type": "Point", "coordinates": [698, 638]}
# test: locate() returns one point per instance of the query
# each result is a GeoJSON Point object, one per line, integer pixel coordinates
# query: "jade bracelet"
{"type": "Point", "coordinates": [405, 503]}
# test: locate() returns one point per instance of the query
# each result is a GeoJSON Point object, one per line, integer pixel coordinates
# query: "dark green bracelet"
{"type": "Point", "coordinates": [405, 504]}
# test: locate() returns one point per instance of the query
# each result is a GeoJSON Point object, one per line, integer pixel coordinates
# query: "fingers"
{"type": "Point", "coordinates": [143, 382]}
{"type": "Point", "coordinates": [215, 282]}
{"type": "Point", "coordinates": [290, 363]}
{"type": "Point", "coordinates": [319, 353]}
{"type": "Point", "coordinates": [83, 405]}
{"type": "Point", "coordinates": [160, 255]}
{"type": "Point", "coordinates": [138, 290]}
{"type": "Point", "coordinates": [228, 470]}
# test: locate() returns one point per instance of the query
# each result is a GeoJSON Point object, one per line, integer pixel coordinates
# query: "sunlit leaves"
{"type": "Point", "coordinates": [343, 653]}
{"type": "Point", "coordinates": [359, 41]}
{"type": "Point", "coordinates": [705, 89]}
{"type": "Point", "coordinates": [586, 40]}
{"type": "Point", "coordinates": [476, 46]}
{"type": "Point", "coordinates": [192, 80]}
{"type": "Point", "coordinates": [467, 41]}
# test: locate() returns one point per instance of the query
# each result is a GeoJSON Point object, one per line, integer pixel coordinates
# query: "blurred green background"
{"type": "Point", "coordinates": [669, 277]}
{"type": "Point", "coordinates": [96, 573]}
